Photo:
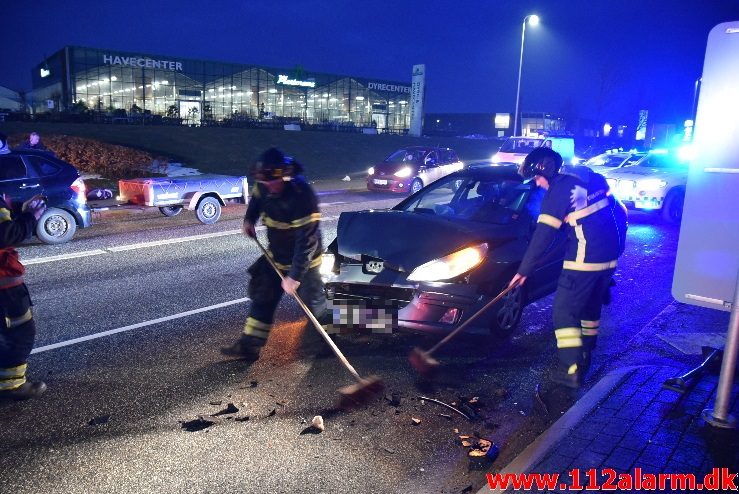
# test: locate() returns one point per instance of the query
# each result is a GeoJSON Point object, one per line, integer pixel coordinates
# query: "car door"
{"type": "Point", "coordinates": [430, 167]}
{"type": "Point", "coordinates": [17, 181]}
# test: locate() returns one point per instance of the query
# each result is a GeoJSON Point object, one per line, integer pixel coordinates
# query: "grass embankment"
{"type": "Point", "coordinates": [326, 155]}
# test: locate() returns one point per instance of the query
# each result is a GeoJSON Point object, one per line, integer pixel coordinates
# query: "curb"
{"type": "Point", "coordinates": [538, 449]}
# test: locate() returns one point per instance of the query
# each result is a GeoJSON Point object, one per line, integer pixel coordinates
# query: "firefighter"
{"type": "Point", "coordinates": [595, 224]}
{"type": "Point", "coordinates": [288, 207]}
{"type": "Point", "coordinates": [17, 330]}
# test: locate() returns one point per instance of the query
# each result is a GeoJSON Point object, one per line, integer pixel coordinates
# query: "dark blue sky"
{"type": "Point", "coordinates": [644, 53]}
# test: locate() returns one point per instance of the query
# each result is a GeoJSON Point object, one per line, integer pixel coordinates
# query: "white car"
{"type": "Point", "coordinates": [604, 161]}
{"type": "Point", "coordinates": [655, 183]}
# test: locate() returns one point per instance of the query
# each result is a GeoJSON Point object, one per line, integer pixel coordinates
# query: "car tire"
{"type": "Point", "coordinates": [208, 210]}
{"type": "Point", "coordinates": [56, 226]}
{"type": "Point", "coordinates": [672, 209]}
{"type": "Point", "coordinates": [170, 211]}
{"type": "Point", "coordinates": [507, 313]}
{"type": "Point", "coordinates": [416, 185]}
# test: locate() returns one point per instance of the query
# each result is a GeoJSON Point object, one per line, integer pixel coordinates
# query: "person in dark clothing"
{"type": "Point", "coordinates": [596, 231]}
{"type": "Point", "coordinates": [17, 328]}
{"type": "Point", "coordinates": [34, 142]}
{"type": "Point", "coordinates": [288, 207]}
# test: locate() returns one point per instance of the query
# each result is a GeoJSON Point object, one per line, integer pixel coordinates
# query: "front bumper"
{"type": "Point", "coordinates": [388, 302]}
{"type": "Point", "coordinates": [388, 184]}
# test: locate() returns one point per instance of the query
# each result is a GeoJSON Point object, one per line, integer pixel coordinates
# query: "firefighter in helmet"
{"type": "Point", "coordinates": [595, 224]}
{"type": "Point", "coordinates": [288, 207]}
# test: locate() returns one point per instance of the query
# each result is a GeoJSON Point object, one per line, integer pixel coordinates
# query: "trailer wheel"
{"type": "Point", "coordinates": [56, 226]}
{"type": "Point", "coordinates": [208, 210]}
{"type": "Point", "coordinates": [170, 211]}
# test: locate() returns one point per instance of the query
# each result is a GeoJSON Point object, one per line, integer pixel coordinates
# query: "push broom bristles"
{"type": "Point", "coordinates": [423, 363]}
{"type": "Point", "coordinates": [358, 394]}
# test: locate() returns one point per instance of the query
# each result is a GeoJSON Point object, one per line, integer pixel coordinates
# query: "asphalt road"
{"type": "Point", "coordinates": [132, 313]}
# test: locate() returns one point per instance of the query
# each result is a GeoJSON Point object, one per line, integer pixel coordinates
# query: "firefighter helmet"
{"type": "Point", "coordinates": [274, 165]}
{"type": "Point", "coordinates": [541, 161]}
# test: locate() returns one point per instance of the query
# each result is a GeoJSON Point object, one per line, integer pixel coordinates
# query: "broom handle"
{"type": "Point", "coordinates": [474, 316]}
{"type": "Point", "coordinates": [312, 318]}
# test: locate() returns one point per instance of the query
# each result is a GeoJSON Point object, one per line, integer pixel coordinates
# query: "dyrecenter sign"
{"type": "Point", "coordinates": [143, 62]}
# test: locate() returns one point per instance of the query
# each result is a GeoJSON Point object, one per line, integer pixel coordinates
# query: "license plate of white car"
{"type": "Point", "coordinates": [380, 182]}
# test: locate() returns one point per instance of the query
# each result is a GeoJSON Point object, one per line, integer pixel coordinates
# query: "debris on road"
{"type": "Point", "coordinates": [432, 400]}
{"type": "Point", "coordinates": [253, 384]}
{"type": "Point", "coordinates": [272, 413]}
{"type": "Point", "coordinates": [198, 424]}
{"type": "Point", "coordinates": [482, 452]}
{"type": "Point", "coordinates": [394, 399]}
{"type": "Point", "coordinates": [446, 416]}
{"type": "Point", "coordinates": [390, 450]}
{"type": "Point", "coordinates": [317, 423]}
{"type": "Point", "coordinates": [102, 419]}
{"type": "Point", "coordinates": [230, 408]}
{"type": "Point", "coordinates": [241, 419]}
{"type": "Point", "coordinates": [217, 402]}
{"type": "Point", "coordinates": [415, 421]}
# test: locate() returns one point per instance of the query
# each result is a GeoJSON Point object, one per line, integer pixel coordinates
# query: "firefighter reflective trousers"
{"type": "Point", "coordinates": [17, 334]}
{"type": "Point", "coordinates": [576, 312]}
{"type": "Point", "coordinates": [265, 292]}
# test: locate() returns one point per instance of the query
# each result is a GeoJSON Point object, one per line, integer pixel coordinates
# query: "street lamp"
{"type": "Point", "coordinates": [532, 19]}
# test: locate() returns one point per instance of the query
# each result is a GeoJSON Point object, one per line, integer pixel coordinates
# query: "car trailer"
{"type": "Point", "coordinates": [204, 194]}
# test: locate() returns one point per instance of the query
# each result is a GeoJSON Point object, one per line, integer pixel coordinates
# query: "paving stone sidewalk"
{"type": "Point", "coordinates": [628, 421]}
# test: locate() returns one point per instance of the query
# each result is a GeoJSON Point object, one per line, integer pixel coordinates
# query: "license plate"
{"type": "Point", "coordinates": [377, 181]}
{"type": "Point", "coordinates": [359, 316]}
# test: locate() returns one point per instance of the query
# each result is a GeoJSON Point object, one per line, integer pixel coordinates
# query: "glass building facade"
{"type": "Point", "coordinates": [198, 91]}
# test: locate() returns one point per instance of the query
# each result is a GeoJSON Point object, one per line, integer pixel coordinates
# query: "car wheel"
{"type": "Point", "coordinates": [56, 226]}
{"type": "Point", "coordinates": [170, 211]}
{"type": "Point", "coordinates": [507, 313]}
{"type": "Point", "coordinates": [416, 185]}
{"type": "Point", "coordinates": [672, 209]}
{"type": "Point", "coordinates": [208, 210]}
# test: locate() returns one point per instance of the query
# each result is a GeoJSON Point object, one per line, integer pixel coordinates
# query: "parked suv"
{"type": "Point", "coordinates": [26, 173]}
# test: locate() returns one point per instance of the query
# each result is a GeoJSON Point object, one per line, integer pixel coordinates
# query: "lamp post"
{"type": "Point", "coordinates": [532, 19]}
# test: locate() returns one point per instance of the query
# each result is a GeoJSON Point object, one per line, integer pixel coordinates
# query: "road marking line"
{"type": "Point", "coordinates": [63, 257]}
{"type": "Point", "coordinates": [95, 336]}
{"type": "Point", "coordinates": [143, 245]}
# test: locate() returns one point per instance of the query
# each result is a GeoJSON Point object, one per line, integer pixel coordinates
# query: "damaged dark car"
{"type": "Point", "coordinates": [439, 256]}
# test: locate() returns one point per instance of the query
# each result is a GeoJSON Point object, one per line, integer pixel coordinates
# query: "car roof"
{"type": "Point", "coordinates": [423, 148]}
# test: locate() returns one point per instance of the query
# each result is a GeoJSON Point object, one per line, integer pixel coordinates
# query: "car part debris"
{"type": "Point", "coordinates": [253, 384]}
{"type": "Point", "coordinates": [355, 394]}
{"type": "Point", "coordinates": [102, 419]}
{"type": "Point", "coordinates": [393, 399]}
{"type": "Point", "coordinates": [415, 421]}
{"type": "Point", "coordinates": [432, 400]}
{"type": "Point", "coordinates": [317, 423]}
{"type": "Point", "coordinates": [424, 363]}
{"type": "Point", "coordinates": [539, 401]}
{"type": "Point", "coordinates": [198, 424]}
{"type": "Point", "coordinates": [242, 419]}
{"type": "Point", "coordinates": [681, 384]}
{"type": "Point", "coordinates": [230, 408]}
{"type": "Point", "coordinates": [446, 416]}
{"type": "Point", "coordinates": [272, 413]}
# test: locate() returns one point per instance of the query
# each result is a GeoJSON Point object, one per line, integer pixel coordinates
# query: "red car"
{"type": "Point", "coordinates": [410, 169]}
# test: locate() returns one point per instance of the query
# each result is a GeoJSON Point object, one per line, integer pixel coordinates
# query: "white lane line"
{"type": "Point", "coordinates": [63, 257]}
{"type": "Point", "coordinates": [331, 203]}
{"type": "Point", "coordinates": [144, 245]}
{"type": "Point", "coordinates": [103, 334]}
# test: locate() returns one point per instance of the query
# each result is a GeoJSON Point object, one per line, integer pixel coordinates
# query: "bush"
{"type": "Point", "coordinates": [96, 157]}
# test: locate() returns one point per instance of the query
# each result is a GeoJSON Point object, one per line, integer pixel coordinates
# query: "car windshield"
{"type": "Point", "coordinates": [406, 156]}
{"type": "Point", "coordinates": [489, 200]}
{"type": "Point", "coordinates": [520, 145]}
{"type": "Point", "coordinates": [665, 161]}
{"type": "Point", "coordinates": [607, 160]}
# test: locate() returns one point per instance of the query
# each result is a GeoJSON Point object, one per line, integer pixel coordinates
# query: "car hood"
{"type": "Point", "coordinates": [641, 172]}
{"type": "Point", "coordinates": [406, 240]}
{"type": "Point", "coordinates": [385, 168]}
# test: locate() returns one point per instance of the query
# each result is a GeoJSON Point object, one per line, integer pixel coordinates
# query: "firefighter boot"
{"type": "Point", "coordinates": [25, 391]}
{"type": "Point", "coordinates": [567, 372]}
{"type": "Point", "coordinates": [588, 346]}
{"type": "Point", "coordinates": [247, 347]}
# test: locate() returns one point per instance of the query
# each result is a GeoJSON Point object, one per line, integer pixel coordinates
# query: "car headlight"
{"type": "Point", "coordinates": [495, 158]}
{"type": "Point", "coordinates": [327, 264]}
{"type": "Point", "coordinates": [450, 266]}
{"type": "Point", "coordinates": [371, 170]}
{"type": "Point", "coordinates": [404, 172]}
{"type": "Point", "coordinates": [651, 183]}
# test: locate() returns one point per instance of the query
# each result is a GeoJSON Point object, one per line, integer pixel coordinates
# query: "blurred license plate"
{"type": "Point", "coordinates": [357, 316]}
{"type": "Point", "coordinates": [380, 182]}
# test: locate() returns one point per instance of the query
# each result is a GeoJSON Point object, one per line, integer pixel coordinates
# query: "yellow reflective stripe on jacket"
{"type": "Point", "coordinates": [582, 213]}
{"type": "Point", "coordinates": [12, 322]}
{"type": "Point", "coordinates": [286, 267]}
{"type": "Point", "coordinates": [568, 337]}
{"type": "Point", "coordinates": [550, 220]}
{"type": "Point", "coordinates": [280, 225]}
{"type": "Point", "coordinates": [581, 244]}
{"type": "Point", "coordinates": [588, 266]}
{"type": "Point", "coordinates": [4, 215]}
{"type": "Point", "coordinates": [13, 372]}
